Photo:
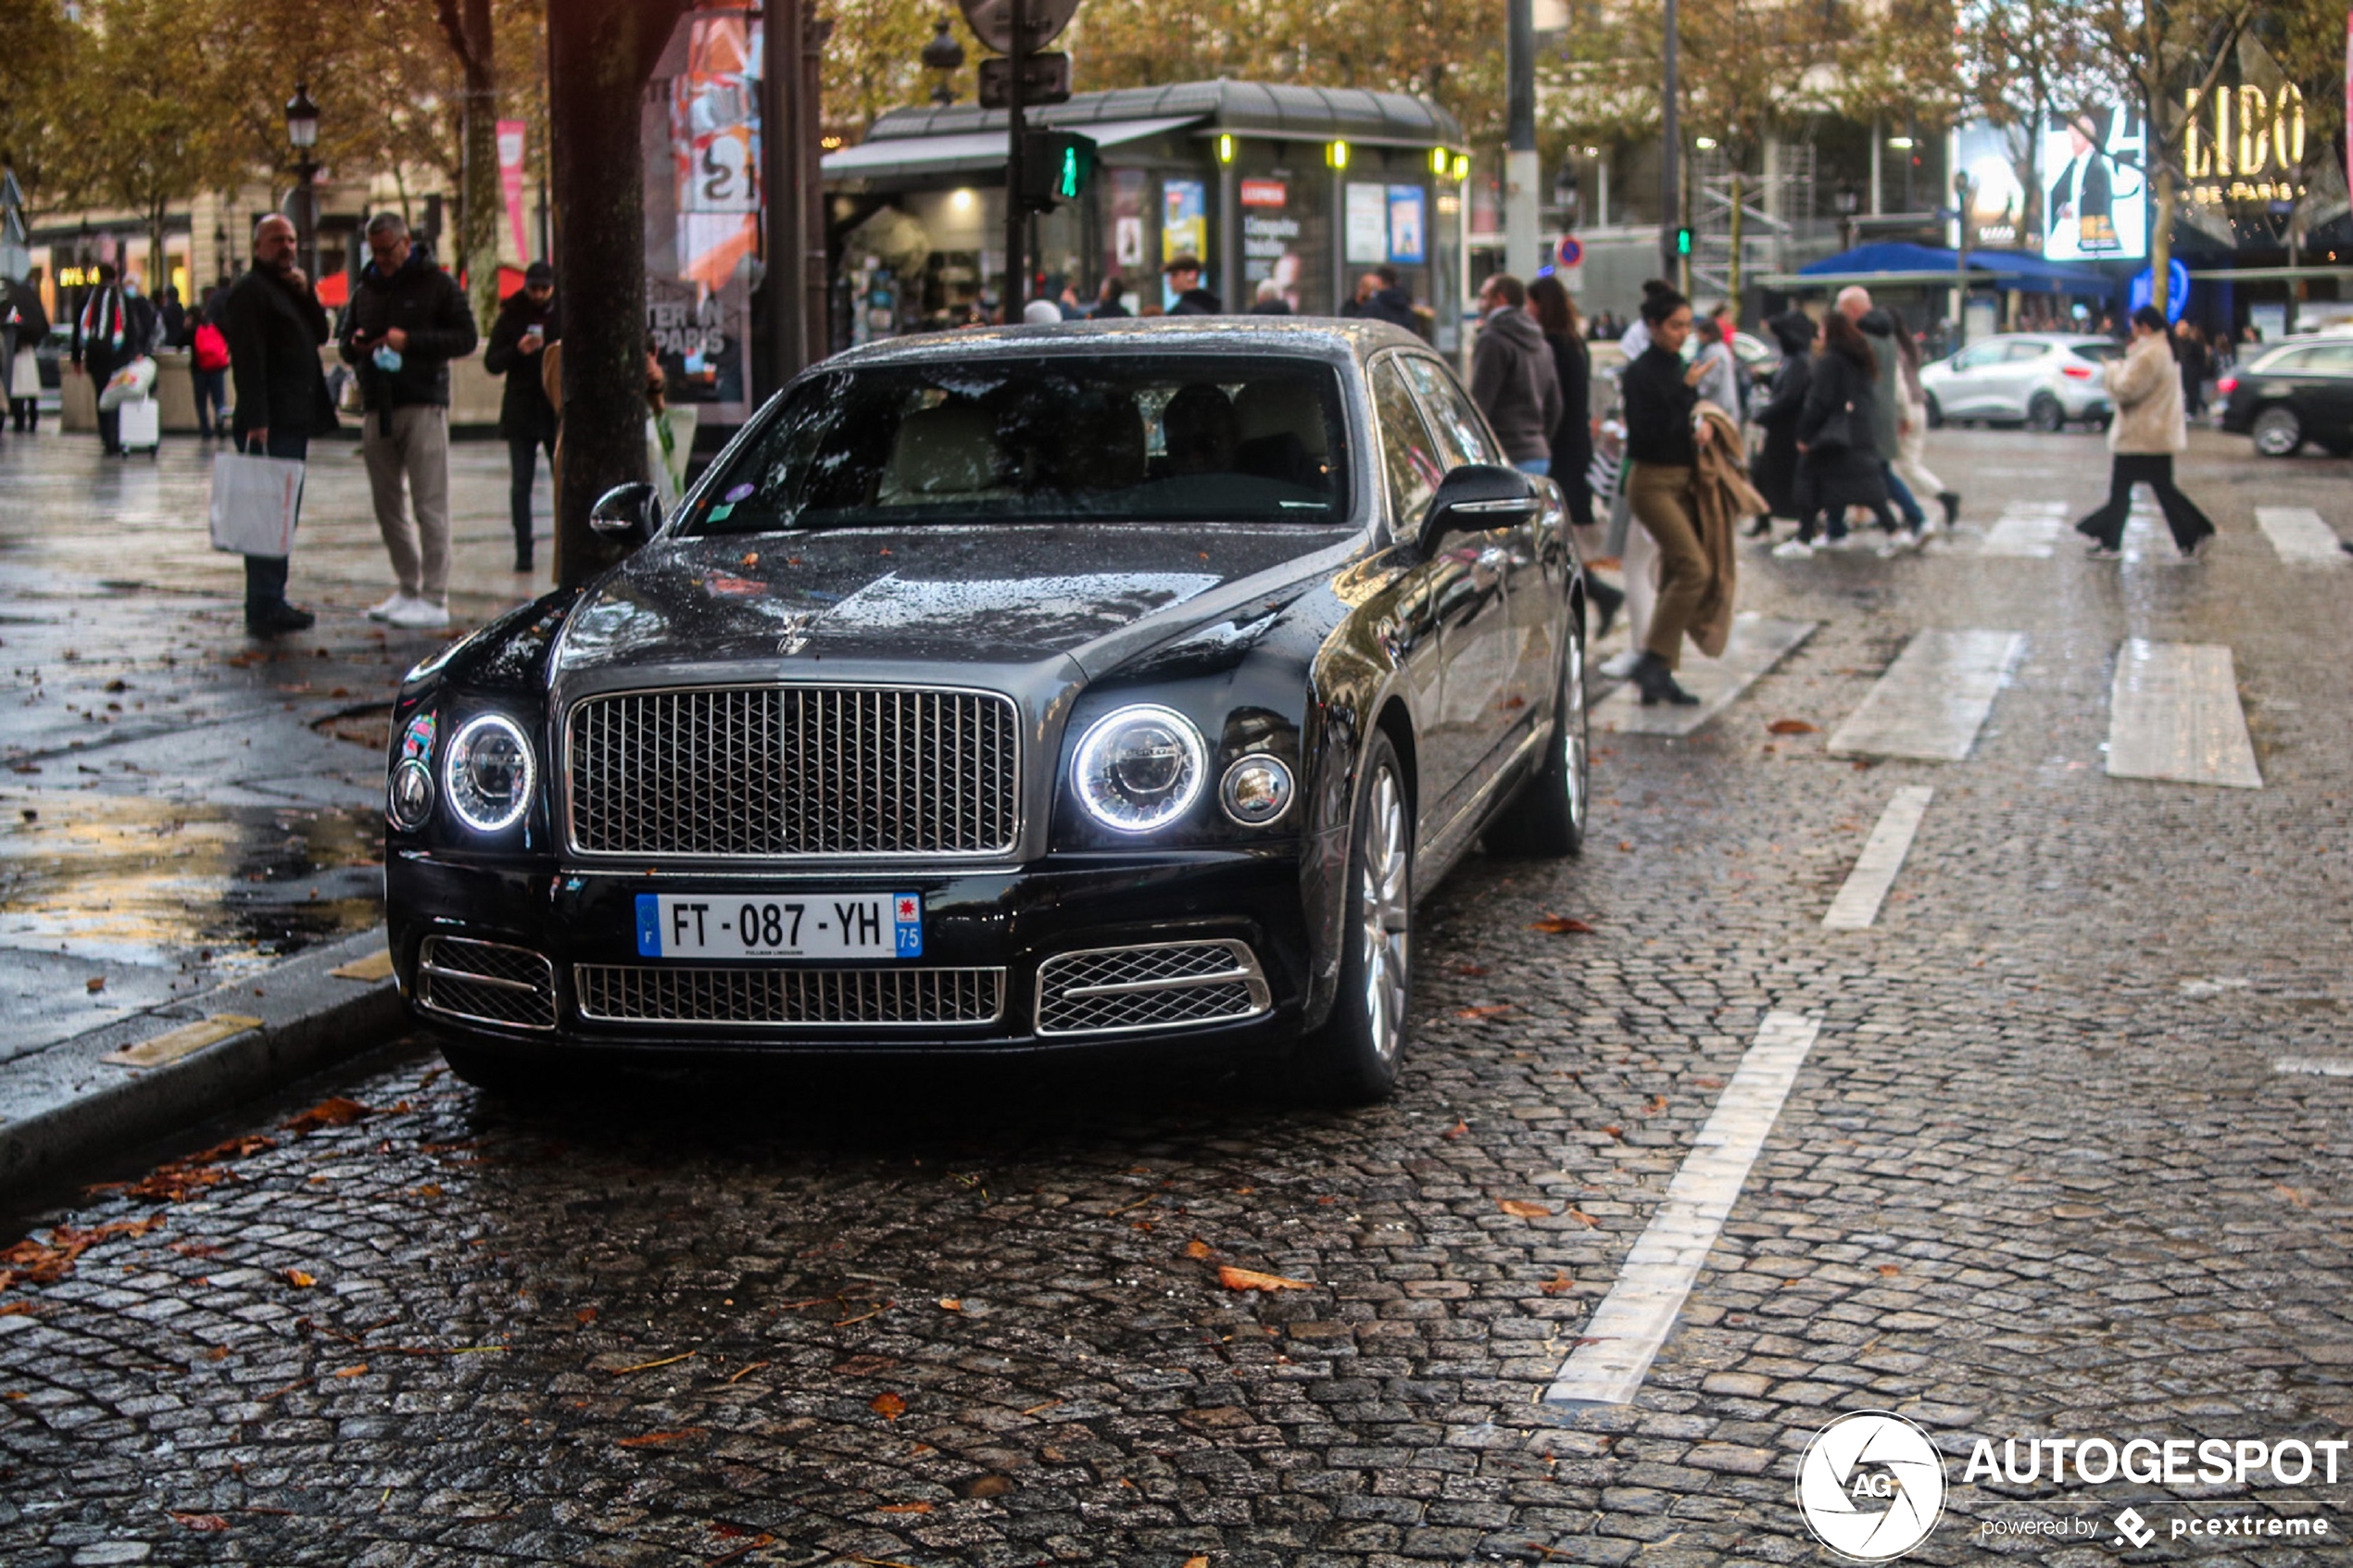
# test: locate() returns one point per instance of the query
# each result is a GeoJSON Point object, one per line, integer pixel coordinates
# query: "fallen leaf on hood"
{"type": "Point", "coordinates": [1197, 1249]}
{"type": "Point", "coordinates": [95, 985]}
{"type": "Point", "coordinates": [651, 1438]}
{"type": "Point", "coordinates": [1525, 1209]}
{"type": "Point", "coordinates": [1233, 1278]}
{"type": "Point", "coordinates": [1491, 1012]}
{"type": "Point", "coordinates": [890, 1407]}
{"type": "Point", "coordinates": [1792, 727]}
{"type": "Point", "coordinates": [1561, 925]}
{"type": "Point", "coordinates": [300, 1280]}
{"type": "Point", "coordinates": [333, 1111]}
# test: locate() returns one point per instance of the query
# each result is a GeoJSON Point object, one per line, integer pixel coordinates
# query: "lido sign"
{"type": "Point", "coordinates": [2244, 145]}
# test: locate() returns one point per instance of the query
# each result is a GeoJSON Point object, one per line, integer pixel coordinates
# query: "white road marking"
{"type": "Point", "coordinates": [2299, 536]}
{"type": "Point", "coordinates": [2174, 714]}
{"type": "Point", "coordinates": [1933, 699]}
{"type": "Point", "coordinates": [1757, 642]}
{"type": "Point", "coordinates": [1618, 1342]}
{"type": "Point", "coordinates": [2032, 529]}
{"type": "Point", "coordinates": [1858, 899]}
{"type": "Point", "coordinates": [2324, 1066]}
{"type": "Point", "coordinates": [2147, 536]}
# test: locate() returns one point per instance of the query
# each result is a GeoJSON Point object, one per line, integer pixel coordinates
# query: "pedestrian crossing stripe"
{"type": "Point", "coordinates": [2299, 537]}
{"type": "Point", "coordinates": [1933, 699]}
{"type": "Point", "coordinates": [2174, 715]}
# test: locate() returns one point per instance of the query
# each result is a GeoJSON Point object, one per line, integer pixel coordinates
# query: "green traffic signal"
{"type": "Point", "coordinates": [1682, 241]}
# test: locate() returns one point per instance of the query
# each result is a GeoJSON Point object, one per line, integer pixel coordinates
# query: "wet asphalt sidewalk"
{"type": "Point", "coordinates": [182, 808]}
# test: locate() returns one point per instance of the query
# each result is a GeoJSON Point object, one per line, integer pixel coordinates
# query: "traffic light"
{"type": "Point", "coordinates": [1055, 167]}
{"type": "Point", "coordinates": [1683, 242]}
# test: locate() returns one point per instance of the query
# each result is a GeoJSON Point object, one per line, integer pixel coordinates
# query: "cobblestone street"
{"type": "Point", "coordinates": [2067, 1156]}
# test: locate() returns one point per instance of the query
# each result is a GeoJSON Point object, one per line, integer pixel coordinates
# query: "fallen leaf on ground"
{"type": "Point", "coordinates": [987, 1487]}
{"type": "Point", "coordinates": [1655, 1104]}
{"type": "Point", "coordinates": [1792, 727]}
{"type": "Point", "coordinates": [585, 1315]}
{"type": "Point", "coordinates": [1561, 925]}
{"type": "Point", "coordinates": [905, 1507]}
{"type": "Point", "coordinates": [353, 1371]}
{"type": "Point", "coordinates": [95, 984]}
{"type": "Point", "coordinates": [1197, 1563]}
{"type": "Point", "coordinates": [1559, 1284]}
{"type": "Point", "coordinates": [651, 1438]}
{"type": "Point", "coordinates": [1525, 1209]}
{"type": "Point", "coordinates": [46, 1262]}
{"type": "Point", "coordinates": [1889, 1270]}
{"type": "Point", "coordinates": [890, 1407]}
{"type": "Point", "coordinates": [1618, 1132]}
{"type": "Point", "coordinates": [300, 1280]}
{"type": "Point", "coordinates": [199, 1520]}
{"type": "Point", "coordinates": [950, 1304]}
{"type": "Point", "coordinates": [1197, 1249]}
{"type": "Point", "coordinates": [1458, 1130]}
{"type": "Point", "coordinates": [1473, 970]}
{"type": "Point", "coordinates": [197, 1248]}
{"type": "Point", "coordinates": [333, 1111]}
{"type": "Point", "coordinates": [1233, 1278]}
{"type": "Point", "coordinates": [1496, 1011]}
{"type": "Point", "coordinates": [1581, 1217]}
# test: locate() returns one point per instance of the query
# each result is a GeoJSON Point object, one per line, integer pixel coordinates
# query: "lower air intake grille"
{"type": "Point", "coordinates": [1167, 985]}
{"type": "Point", "coordinates": [486, 982]}
{"type": "Point", "coordinates": [788, 999]}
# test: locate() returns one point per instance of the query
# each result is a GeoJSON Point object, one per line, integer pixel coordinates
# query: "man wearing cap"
{"type": "Point", "coordinates": [527, 324]}
{"type": "Point", "coordinates": [1184, 282]}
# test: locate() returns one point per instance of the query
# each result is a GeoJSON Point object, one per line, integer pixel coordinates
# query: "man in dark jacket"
{"type": "Point", "coordinates": [1184, 277]}
{"type": "Point", "coordinates": [407, 321]}
{"type": "Point", "coordinates": [1513, 380]}
{"type": "Point", "coordinates": [1381, 296]}
{"type": "Point", "coordinates": [275, 326]}
{"type": "Point", "coordinates": [518, 341]}
{"type": "Point", "coordinates": [1887, 410]}
{"type": "Point", "coordinates": [108, 334]}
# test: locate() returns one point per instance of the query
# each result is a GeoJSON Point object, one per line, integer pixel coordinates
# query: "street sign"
{"type": "Point", "coordinates": [1045, 79]}
{"type": "Point", "coordinates": [1570, 252]}
{"type": "Point", "coordinates": [992, 21]}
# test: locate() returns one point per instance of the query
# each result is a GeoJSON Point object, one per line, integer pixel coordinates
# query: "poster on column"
{"type": "Point", "coordinates": [1364, 217]}
{"type": "Point", "coordinates": [699, 125]}
{"type": "Point", "coordinates": [1407, 226]}
{"type": "Point", "coordinates": [510, 145]}
{"type": "Point", "coordinates": [1270, 241]}
{"type": "Point", "coordinates": [2095, 207]}
{"type": "Point", "coordinates": [1184, 226]}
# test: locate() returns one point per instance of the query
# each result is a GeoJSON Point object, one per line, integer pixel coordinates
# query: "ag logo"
{"type": "Point", "coordinates": [1872, 1486]}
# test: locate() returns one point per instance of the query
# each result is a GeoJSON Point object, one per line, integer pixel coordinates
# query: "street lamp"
{"type": "Point", "coordinates": [1848, 201]}
{"type": "Point", "coordinates": [302, 131]}
{"type": "Point", "coordinates": [946, 55]}
{"type": "Point", "coordinates": [1962, 190]}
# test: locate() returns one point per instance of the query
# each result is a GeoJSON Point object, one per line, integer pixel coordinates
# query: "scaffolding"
{"type": "Point", "coordinates": [1776, 206]}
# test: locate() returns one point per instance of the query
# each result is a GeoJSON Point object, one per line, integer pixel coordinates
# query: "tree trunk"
{"type": "Point", "coordinates": [601, 54]}
{"type": "Point", "coordinates": [2161, 236]}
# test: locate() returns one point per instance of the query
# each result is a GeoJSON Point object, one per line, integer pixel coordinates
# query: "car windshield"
{"type": "Point", "coordinates": [1181, 438]}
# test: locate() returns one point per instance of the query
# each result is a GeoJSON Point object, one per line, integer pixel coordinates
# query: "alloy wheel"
{"type": "Point", "coordinates": [1384, 903]}
{"type": "Point", "coordinates": [1573, 738]}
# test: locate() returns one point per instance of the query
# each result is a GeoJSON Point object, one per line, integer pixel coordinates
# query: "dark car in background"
{"type": "Point", "coordinates": [1006, 691]}
{"type": "Point", "coordinates": [2295, 393]}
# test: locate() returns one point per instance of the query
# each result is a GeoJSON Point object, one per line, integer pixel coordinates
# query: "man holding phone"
{"type": "Point", "coordinates": [527, 324]}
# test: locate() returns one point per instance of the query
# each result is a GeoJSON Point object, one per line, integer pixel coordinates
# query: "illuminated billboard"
{"type": "Point", "coordinates": [2095, 207]}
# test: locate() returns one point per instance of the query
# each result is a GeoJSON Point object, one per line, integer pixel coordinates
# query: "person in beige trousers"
{"type": "Point", "coordinates": [406, 320]}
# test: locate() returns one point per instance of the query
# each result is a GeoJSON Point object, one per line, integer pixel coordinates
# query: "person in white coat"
{"type": "Point", "coordinates": [2148, 429]}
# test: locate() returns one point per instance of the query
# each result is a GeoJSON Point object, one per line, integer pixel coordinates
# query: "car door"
{"type": "Point", "coordinates": [2328, 395]}
{"type": "Point", "coordinates": [1964, 395]}
{"type": "Point", "coordinates": [2012, 383]}
{"type": "Point", "coordinates": [1438, 596]}
{"type": "Point", "coordinates": [1524, 622]}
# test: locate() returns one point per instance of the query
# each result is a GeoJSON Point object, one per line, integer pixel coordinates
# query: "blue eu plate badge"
{"type": "Point", "coordinates": [907, 916]}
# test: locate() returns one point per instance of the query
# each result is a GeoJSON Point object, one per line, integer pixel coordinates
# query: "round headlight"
{"type": "Point", "coordinates": [409, 797]}
{"type": "Point", "coordinates": [488, 773]}
{"type": "Point", "coordinates": [1256, 790]}
{"type": "Point", "coordinates": [1138, 768]}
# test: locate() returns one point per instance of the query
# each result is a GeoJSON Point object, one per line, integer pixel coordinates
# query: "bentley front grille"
{"type": "Point", "coordinates": [788, 999]}
{"type": "Point", "coordinates": [1166, 986]}
{"type": "Point", "coordinates": [486, 982]}
{"type": "Point", "coordinates": [777, 772]}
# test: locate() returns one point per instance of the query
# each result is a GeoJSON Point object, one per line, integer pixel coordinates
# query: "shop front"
{"type": "Point", "coordinates": [1285, 193]}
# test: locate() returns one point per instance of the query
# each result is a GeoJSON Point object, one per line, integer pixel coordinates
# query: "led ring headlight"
{"type": "Point", "coordinates": [1140, 768]}
{"type": "Point", "coordinates": [488, 772]}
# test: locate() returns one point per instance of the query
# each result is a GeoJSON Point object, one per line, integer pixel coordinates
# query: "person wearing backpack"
{"type": "Point", "coordinates": [208, 368]}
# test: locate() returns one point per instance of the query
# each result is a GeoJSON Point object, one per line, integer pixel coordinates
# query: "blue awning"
{"type": "Point", "coordinates": [1998, 268]}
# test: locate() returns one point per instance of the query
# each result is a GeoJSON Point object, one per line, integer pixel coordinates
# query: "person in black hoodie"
{"type": "Point", "coordinates": [1381, 296]}
{"type": "Point", "coordinates": [407, 321]}
{"type": "Point", "coordinates": [1660, 395]}
{"type": "Point", "coordinates": [1839, 464]}
{"type": "Point", "coordinates": [1775, 470]}
{"type": "Point", "coordinates": [1573, 435]}
{"type": "Point", "coordinates": [518, 341]}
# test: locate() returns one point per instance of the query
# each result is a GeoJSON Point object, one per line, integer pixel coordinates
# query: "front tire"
{"type": "Point", "coordinates": [2277, 432]}
{"type": "Point", "coordinates": [493, 1073]}
{"type": "Point", "coordinates": [2044, 415]}
{"type": "Point", "coordinates": [1547, 817]}
{"type": "Point", "coordinates": [1353, 1060]}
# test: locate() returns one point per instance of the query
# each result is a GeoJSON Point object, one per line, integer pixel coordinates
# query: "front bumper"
{"type": "Point", "coordinates": [584, 923]}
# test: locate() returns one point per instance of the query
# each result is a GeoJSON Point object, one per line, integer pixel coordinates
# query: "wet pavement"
{"type": "Point", "coordinates": [2066, 1154]}
{"type": "Point", "coordinates": [180, 803]}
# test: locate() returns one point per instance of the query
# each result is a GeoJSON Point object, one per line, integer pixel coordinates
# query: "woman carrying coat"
{"type": "Point", "coordinates": [1838, 464]}
{"type": "Point", "coordinates": [1775, 471]}
{"type": "Point", "coordinates": [2147, 430]}
{"type": "Point", "coordinates": [1661, 399]}
{"type": "Point", "coordinates": [1573, 436]}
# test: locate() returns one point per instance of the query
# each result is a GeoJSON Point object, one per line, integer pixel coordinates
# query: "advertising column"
{"type": "Point", "coordinates": [701, 135]}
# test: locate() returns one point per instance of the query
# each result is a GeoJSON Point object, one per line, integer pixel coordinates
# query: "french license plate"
{"type": "Point", "coordinates": [806, 925]}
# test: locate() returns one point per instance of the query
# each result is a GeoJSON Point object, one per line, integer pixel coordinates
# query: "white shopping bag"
{"type": "Point", "coordinates": [132, 381]}
{"type": "Point", "coordinates": [254, 502]}
{"type": "Point", "coordinates": [139, 425]}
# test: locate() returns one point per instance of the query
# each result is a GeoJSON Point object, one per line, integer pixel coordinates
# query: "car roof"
{"type": "Point", "coordinates": [1333, 339]}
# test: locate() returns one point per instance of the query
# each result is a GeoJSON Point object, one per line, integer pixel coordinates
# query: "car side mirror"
{"type": "Point", "coordinates": [1475, 498]}
{"type": "Point", "coordinates": [627, 514]}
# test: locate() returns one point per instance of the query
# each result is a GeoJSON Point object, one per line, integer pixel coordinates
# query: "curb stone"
{"type": "Point", "coordinates": [67, 1105]}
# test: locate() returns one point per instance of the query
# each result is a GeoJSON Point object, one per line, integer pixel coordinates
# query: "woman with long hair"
{"type": "Point", "coordinates": [1660, 396]}
{"type": "Point", "coordinates": [1911, 441]}
{"type": "Point", "coordinates": [1573, 437]}
{"type": "Point", "coordinates": [1775, 470]}
{"type": "Point", "coordinates": [1839, 462]}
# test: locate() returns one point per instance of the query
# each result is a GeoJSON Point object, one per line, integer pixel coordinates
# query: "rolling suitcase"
{"type": "Point", "coordinates": [142, 425]}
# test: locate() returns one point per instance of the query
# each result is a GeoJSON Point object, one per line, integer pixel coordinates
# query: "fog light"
{"type": "Point", "coordinates": [409, 798]}
{"type": "Point", "coordinates": [1256, 791]}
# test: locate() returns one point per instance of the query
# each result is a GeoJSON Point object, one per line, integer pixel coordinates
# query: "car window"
{"type": "Point", "coordinates": [2023, 351]}
{"type": "Point", "coordinates": [1462, 434]}
{"type": "Point", "coordinates": [2334, 359]}
{"type": "Point", "coordinates": [1117, 437]}
{"type": "Point", "coordinates": [2097, 353]}
{"type": "Point", "coordinates": [2290, 361]}
{"type": "Point", "coordinates": [1407, 452]}
{"type": "Point", "coordinates": [1977, 358]}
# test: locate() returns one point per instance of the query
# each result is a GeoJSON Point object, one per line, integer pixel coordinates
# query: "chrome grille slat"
{"type": "Point", "coordinates": [1159, 985]}
{"type": "Point", "coordinates": [486, 982]}
{"type": "Point", "coordinates": [788, 999]}
{"type": "Point", "coordinates": [790, 771]}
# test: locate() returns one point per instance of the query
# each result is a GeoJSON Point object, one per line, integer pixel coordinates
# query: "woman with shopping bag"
{"type": "Point", "coordinates": [275, 327]}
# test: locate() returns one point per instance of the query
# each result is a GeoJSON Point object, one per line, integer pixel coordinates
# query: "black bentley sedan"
{"type": "Point", "coordinates": [2299, 392]}
{"type": "Point", "coordinates": [1016, 690]}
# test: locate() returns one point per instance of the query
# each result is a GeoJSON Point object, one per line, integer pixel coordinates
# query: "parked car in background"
{"type": "Point", "coordinates": [2298, 391]}
{"type": "Point", "coordinates": [2044, 380]}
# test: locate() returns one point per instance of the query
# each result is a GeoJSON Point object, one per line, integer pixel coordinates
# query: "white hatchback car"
{"type": "Point", "coordinates": [2042, 380]}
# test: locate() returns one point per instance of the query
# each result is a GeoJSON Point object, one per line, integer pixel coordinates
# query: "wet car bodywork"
{"type": "Point", "coordinates": [1445, 645]}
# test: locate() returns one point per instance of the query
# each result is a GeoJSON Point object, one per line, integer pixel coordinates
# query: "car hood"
{"type": "Point", "coordinates": [997, 595]}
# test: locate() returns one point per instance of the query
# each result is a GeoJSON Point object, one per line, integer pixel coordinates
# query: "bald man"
{"type": "Point", "coordinates": [1879, 328]}
{"type": "Point", "coordinates": [275, 326]}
